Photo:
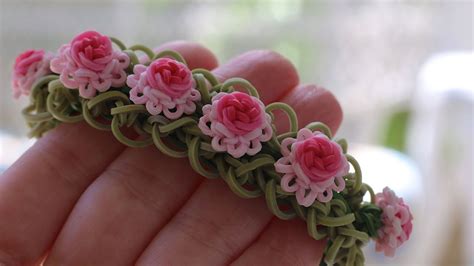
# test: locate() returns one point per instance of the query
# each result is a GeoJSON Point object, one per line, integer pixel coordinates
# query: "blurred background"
{"type": "Point", "coordinates": [402, 70]}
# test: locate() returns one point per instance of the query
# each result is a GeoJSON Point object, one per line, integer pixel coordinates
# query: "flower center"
{"type": "Point", "coordinates": [318, 158]}
{"type": "Point", "coordinates": [239, 113]}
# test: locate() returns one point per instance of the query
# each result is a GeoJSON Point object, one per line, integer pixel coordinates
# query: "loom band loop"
{"type": "Point", "coordinates": [272, 203]}
{"type": "Point", "coordinates": [315, 231]}
{"type": "Point", "coordinates": [61, 103]}
{"type": "Point", "coordinates": [98, 107]}
{"type": "Point", "coordinates": [357, 185]}
{"type": "Point", "coordinates": [207, 75]}
{"type": "Point", "coordinates": [133, 60]}
{"type": "Point", "coordinates": [118, 43]}
{"type": "Point", "coordinates": [343, 143]}
{"type": "Point", "coordinates": [228, 86]}
{"type": "Point", "coordinates": [368, 216]}
{"type": "Point", "coordinates": [32, 117]}
{"type": "Point", "coordinates": [126, 116]}
{"type": "Point", "coordinates": [321, 127]}
{"type": "Point", "coordinates": [170, 53]}
{"type": "Point", "coordinates": [300, 211]}
{"type": "Point", "coordinates": [332, 250]}
{"type": "Point", "coordinates": [259, 160]}
{"type": "Point", "coordinates": [371, 192]}
{"type": "Point", "coordinates": [195, 159]}
{"type": "Point", "coordinates": [201, 85]}
{"type": "Point", "coordinates": [290, 113]}
{"type": "Point", "coordinates": [160, 145]}
{"type": "Point", "coordinates": [37, 89]}
{"type": "Point", "coordinates": [230, 178]}
{"type": "Point", "coordinates": [239, 173]}
{"type": "Point", "coordinates": [142, 48]}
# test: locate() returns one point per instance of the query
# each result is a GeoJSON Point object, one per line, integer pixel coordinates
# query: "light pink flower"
{"type": "Point", "coordinates": [313, 166]}
{"type": "Point", "coordinates": [29, 66]}
{"type": "Point", "coordinates": [397, 222]}
{"type": "Point", "coordinates": [90, 64]}
{"type": "Point", "coordinates": [166, 85]}
{"type": "Point", "coordinates": [237, 123]}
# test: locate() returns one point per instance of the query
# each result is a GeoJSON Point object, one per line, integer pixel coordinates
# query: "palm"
{"type": "Point", "coordinates": [84, 199]}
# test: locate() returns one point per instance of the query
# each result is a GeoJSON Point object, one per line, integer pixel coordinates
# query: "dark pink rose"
{"type": "Point", "coordinates": [91, 50]}
{"type": "Point", "coordinates": [29, 67]}
{"type": "Point", "coordinates": [239, 113]}
{"type": "Point", "coordinates": [170, 76]}
{"type": "Point", "coordinates": [320, 158]}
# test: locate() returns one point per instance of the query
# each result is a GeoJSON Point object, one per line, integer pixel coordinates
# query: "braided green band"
{"type": "Point", "coordinates": [346, 222]}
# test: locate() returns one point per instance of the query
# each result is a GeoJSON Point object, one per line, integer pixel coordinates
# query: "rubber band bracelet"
{"type": "Point", "coordinates": [224, 132]}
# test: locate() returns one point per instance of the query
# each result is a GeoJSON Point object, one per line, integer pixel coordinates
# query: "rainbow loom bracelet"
{"type": "Point", "coordinates": [225, 133]}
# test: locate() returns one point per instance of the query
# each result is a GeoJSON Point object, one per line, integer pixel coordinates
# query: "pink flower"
{"type": "Point", "coordinates": [166, 85]}
{"type": "Point", "coordinates": [29, 66]}
{"type": "Point", "coordinates": [90, 64]}
{"type": "Point", "coordinates": [237, 123]}
{"type": "Point", "coordinates": [313, 166]}
{"type": "Point", "coordinates": [397, 222]}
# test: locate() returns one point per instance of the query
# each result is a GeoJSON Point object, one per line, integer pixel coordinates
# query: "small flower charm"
{"type": "Point", "coordinates": [29, 66]}
{"type": "Point", "coordinates": [90, 64]}
{"type": "Point", "coordinates": [166, 85]}
{"type": "Point", "coordinates": [237, 123]}
{"type": "Point", "coordinates": [397, 222]}
{"type": "Point", "coordinates": [313, 166]}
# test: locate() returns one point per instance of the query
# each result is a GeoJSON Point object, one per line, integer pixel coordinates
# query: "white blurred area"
{"type": "Point", "coordinates": [377, 57]}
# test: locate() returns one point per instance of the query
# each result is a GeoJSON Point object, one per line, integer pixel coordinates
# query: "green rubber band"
{"type": "Point", "coordinates": [358, 173]}
{"type": "Point", "coordinates": [230, 83]}
{"type": "Point", "coordinates": [270, 196]}
{"type": "Point", "coordinates": [125, 140]}
{"type": "Point", "coordinates": [202, 88]}
{"type": "Point", "coordinates": [311, 223]}
{"type": "Point", "coordinates": [193, 154]}
{"type": "Point", "coordinates": [318, 126]}
{"type": "Point", "coordinates": [169, 53]}
{"type": "Point", "coordinates": [133, 59]}
{"type": "Point", "coordinates": [163, 147]}
{"type": "Point", "coordinates": [290, 113]}
{"type": "Point", "coordinates": [207, 75]}
{"type": "Point", "coordinates": [143, 48]}
{"type": "Point", "coordinates": [118, 43]}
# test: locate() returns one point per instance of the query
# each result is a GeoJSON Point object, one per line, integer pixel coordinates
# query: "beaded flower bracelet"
{"type": "Point", "coordinates": [225, 133]}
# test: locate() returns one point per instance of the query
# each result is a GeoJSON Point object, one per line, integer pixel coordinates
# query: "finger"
{"type": "Point", "coordinates": [196, 55]}
{"type": "Point", "coordinates": [283, 243]}
{"type": "Point", "coordinates": [312, 104]}
{"type": "Point", "coordinates": [40, 189]}
{"type": "Point", "coordinates": [215, 225]}
{"type": "Point", "coordinates": [277, 80]}
{"type": "Point", "coordinates": [137, 195]}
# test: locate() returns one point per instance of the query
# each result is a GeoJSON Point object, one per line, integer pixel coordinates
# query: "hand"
{"type": "Point", "coordinates": [82, 198]}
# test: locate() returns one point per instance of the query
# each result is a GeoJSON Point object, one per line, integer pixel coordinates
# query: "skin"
{"type": "Point", "coordinates": [78, 197]}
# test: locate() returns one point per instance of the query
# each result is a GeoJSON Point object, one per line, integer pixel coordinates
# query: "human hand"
{"type": "Point", "coordinates": [80, 197]}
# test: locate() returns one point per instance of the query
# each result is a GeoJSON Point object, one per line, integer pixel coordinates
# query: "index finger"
{"type": "Point", "coordinates": [40, 189]}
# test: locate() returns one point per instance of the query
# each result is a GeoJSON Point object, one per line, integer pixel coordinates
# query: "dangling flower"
{"type": "Point", "coordinates": [29, 66]}
{"type": "Point", "coordinates": [397, 222]}
{"type": "Point", "coordinates": [90, 64]}
{"type": "Point", "coordinates": [237, 123]}
{"type": "Point", "coordinates": [313, 166]}
{"type": "Point", "coordinates": [165, 86]}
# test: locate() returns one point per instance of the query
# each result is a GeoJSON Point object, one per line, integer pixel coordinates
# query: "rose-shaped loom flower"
{"type": "Point", "coordinates": [313, 166]}
{"type": "Point", "coordinates": [90, 64]}
{"type": "Point", "coordinates": [237, 123]}
{"type": "Point", "coordinates": [397, 222]}
{"type": "Point", "coordinates": [166, 85]}
{"type": "Point", "coordinates": [29, 66]}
